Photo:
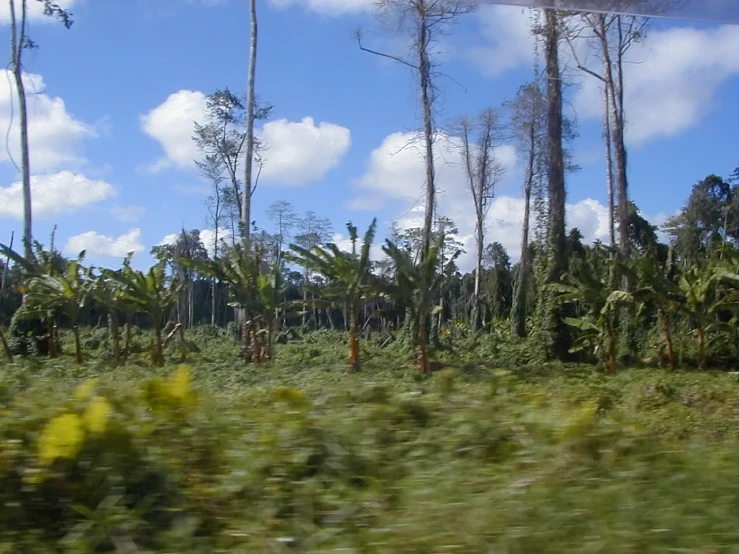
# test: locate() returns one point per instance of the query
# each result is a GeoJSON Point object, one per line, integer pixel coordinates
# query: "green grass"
{"type": "Point", "coordinates": [300, 456]}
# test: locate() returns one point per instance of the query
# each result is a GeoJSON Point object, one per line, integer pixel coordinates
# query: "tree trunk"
{"type": "Point", "coordinates": [354, 343]}
{"type": "Point", "coordinates": [479, 235]}
{"type": "Point", "coordinates": [423, 360]}
{"type": "Point", "coordinates": [77, 344]}
{"type": "Point", "coordinates": [611, 362]}
{"type": "Point", "coordinates": [424, 71]}
{"type": "Point", "coordinates": [127, 347]}
{"type": "Point", "coordinates": [6, 347]}
{"type": "Point", "coordinates": [609, 164]}
{"type": "Point", "coordinates": [519, 307]}
{"type": "Point", "coordinates": [701, 348]}
{"type": "Point", "coordinates": [558, 342]}
{"type": "Point", "coordinates": [17, 41]}
{"type": "Point", "coordinates": [619, 148]}
{"type": "Point", "coordinates": [249, 140]}
{"type": "Point", "coordinates": [115, 338]}
{"type": "Point", "coordinates": [158, 347]}
{"type": "Point", "coordinates": [665, 324]}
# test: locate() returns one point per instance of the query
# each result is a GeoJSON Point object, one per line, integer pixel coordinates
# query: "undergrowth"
{"type": "Point", "coordinates": [297, 455]}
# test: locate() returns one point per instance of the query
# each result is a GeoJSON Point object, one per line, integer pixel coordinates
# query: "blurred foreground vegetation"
{"type": "Point", "coordinates": [296, 455]}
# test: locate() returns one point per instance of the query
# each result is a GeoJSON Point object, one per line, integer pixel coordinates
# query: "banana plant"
{"type": "Point", "coordinates": [654, 285]}
{"type": "Point", "coordinates": [153, 294]}
{"type": "Point", "coordinates": [416, 288]}
{"type": "Point", "coordinates": [601, 304]}
{"type": "Point", "coordinates": [43, 262]}
{"type": "Point", "coordinates": [350, 283]}
{"type": "Point", "coordinates": [705, 297]}
{"type": "Point", "coordinates": [240, 272]}
{"type": "Point", "coordinates": [65, 294]}
{"type": "Point", "coordinates": [112, 294]}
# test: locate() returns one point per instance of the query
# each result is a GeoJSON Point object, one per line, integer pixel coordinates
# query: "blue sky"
{"type": "Point", "coordinates": [117, 94]}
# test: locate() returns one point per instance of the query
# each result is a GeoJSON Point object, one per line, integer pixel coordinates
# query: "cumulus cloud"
{"type": "Point", "coordinates": [508, 43]}
{"type": "Point", "coordinates": [344, 243]}
{"type": "Point", "coordinates": [54, 194]}
{"type": "Point", "coordinates": [395, 171]}
{"type": "Point", "coordinates": [55, 136]}
{"type": "Point", "coordinates": [298, 152]}
{"type": "Point", "coordinates": [100, 245]}
{"type": "Point", "coordinates": [171, 124]}
{"type": "Point", "coordinates": [327, 7]}
{"type": "Point", "coordinates": [671, 77]}
{"type": "Point", "coordinates": [35, 11]}
{"type": "Point", "coordinates": [127, 213]}
{"type": "Point", "coordinates": [207, 237]}
{"type": "Point", "coordinates": [301, 152]}
{"type": "Point", "coordinates": [675, 82]}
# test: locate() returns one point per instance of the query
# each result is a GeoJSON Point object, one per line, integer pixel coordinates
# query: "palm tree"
{"type": "Point", "coordinates": [350, 282]}
{"type": "Point", "coordinates": [416, 288]}
{"type": "Point", "coordinates": [601, 302]}
{"type": "Point", "coordinates": [154, 295]}
{"type": "Point", "coordinates": [654, 285]}
{"type": "Point", "coordinates": [109, 292]}
{"type": "Point", "coordinates": [705, 296]}
{"type": "Point", "coordinates": [41, 263]}
{"type": "Point", "coordinates": [66, 293]}
{"type": "Point", "coordinates": [240, 272]}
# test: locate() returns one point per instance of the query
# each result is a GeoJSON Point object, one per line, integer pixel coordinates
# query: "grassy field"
{"type": "Point", "coordinates": [300, 456]}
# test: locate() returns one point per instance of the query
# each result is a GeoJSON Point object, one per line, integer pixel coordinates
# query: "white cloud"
{"type": "Point", "coordinates": [168, 239]}
{"type": "Point", "coordinates": [127, 213]}
{"type": "Point", "coordinates": [35, 11]}
{"type": "Point", "coordinates": [208, 238]}
{"type": "Point", "coordinates": [53, 195]}
{"type": "Point", "coordinates": [674, 84]}
{"type": "Point", "coordinates": [509, 43]}
{"type": "Point", "coordinates": [327, 7]}
{"type": "Point", "coordinates": [105, 245]}
{"type": "Point", "coordinates": [298, 152]}
{"type": "Point", "coordinates": [344, 243]}
{"type": "Point", "coordinates": [396, 171]}
{"type": "Point", "coordinates": [171, 124]}
{"type": "Point", "coordinates": [55, 136]}
{"type": "Point", "coordinates": [671, 76]}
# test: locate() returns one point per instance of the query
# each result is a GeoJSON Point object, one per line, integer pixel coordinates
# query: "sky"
{"type": "Point", "coordinates": [112, 103]}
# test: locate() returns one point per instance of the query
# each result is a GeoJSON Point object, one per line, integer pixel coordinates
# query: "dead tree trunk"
{"type": "Point", "coordinates": [17, 43]}
{"type": "Point", "coordinates": [249, 141]}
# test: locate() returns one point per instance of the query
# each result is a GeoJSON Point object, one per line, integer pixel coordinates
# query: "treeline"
{"type": "Point", "coordinates": [613, 307]}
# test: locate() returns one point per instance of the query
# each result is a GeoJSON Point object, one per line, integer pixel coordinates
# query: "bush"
{"type": "Point", "coordinates": [25, 335]}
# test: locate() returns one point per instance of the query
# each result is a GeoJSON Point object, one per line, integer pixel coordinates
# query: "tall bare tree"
{"type": "Point", "coordinates": [528, 126]}
{"type": "Point", "coordinates": [555, 337]}
{"type": "Point", "coordinates": [422, 21]}
{"type": "Point", "coordinates": [612, 35]}
{"type": "Point", "coordinates": [282, 214]}
{"type": "Point", "coordinates": [20, 41]}
{"type": "Point", "coordinates": [250, 116]}
{"type": "Point", "coordinates": [484, 170]}
{"type": "Point", "coordinates": [312, 231]}
{"type": "Point", "coordinates": [212, 169]}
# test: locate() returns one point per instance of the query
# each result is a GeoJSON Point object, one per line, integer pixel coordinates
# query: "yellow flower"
{"type": "Point", "coordinates": [97, 415]}
{"type": "Point", "coordinates": [84, 391]}
{"type": "Point", "coordinates": [179, 384]}
{"type": "Point", "coordinates": [62, 437]}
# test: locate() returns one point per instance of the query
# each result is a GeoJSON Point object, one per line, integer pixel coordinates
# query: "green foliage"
{"type": "Point", "coordinates": [204, 459]}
